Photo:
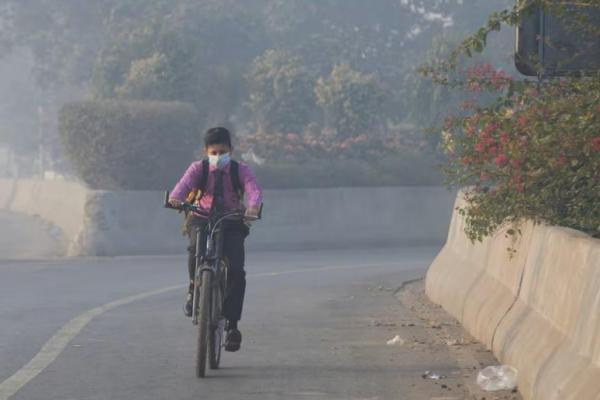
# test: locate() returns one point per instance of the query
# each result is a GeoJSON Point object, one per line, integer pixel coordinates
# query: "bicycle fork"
{"type": "Point", "coordinates": [213, 248]}
{"type": "Point", "coordinates": [197, 278]}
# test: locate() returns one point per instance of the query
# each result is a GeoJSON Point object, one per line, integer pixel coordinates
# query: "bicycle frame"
{"type": "Point", "coordinates": [209, 260]}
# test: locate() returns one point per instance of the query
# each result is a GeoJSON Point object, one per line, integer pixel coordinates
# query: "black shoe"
{"type": "Point", "coordinates": [233, 340]}
{"type": "Point", "coordinates": [187, 307]}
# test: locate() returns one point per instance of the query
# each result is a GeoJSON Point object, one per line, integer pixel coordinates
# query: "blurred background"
{"type": "Point", "coordinates": [116, 93]}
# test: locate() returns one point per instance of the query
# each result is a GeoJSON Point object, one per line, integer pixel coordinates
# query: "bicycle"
{"type": "Point", "coordinates": [211, 273]}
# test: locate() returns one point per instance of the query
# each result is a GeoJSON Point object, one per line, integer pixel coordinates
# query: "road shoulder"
{"type": "Point", "coordinates": [432, 330]}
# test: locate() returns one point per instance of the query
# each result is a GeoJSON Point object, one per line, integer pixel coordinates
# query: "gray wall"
{"type": "Point", "coordinates": [135, 223]}
{"type": "Point", "coordinates": [350, 217]}
{"type": "Point", "coordinates": [128, 223]}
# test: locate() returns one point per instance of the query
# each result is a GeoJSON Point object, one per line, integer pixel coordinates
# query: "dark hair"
{"type": "Point", "coordinates": [218, 135]}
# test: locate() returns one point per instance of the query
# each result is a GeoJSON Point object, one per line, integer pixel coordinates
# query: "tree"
{"type": "Point", "coordinates": [182, 50]}
{"type": "Point", "coordinates": [280, 93]}
{"type": "Point", "coordinates": [351, 101]}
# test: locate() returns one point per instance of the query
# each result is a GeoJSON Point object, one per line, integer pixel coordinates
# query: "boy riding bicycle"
{"type": "Point", "coordinates": [219, 184]}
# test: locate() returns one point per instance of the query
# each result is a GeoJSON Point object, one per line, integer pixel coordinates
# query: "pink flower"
{"type": "Point", "coordinates": [504, 138]}
{"type": "Point", "coordinates": [488, 129]}
{"type": "Point", "coordinates": [474, 87]}
{"type": "Point", "coordinates": [501, 160]}
{"type": "Point", "coordinates": [596, 144]}
{"type": "Point", "coordinates": [470, 130]}
{"type": "Point", "coordinates": [520, 187]}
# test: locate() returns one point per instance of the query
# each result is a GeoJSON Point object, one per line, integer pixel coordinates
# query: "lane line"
{"type": "Point", "coordinates": [59, 341]}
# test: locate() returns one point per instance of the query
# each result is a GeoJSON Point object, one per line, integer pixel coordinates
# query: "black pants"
{"type": "Point", "coordinates": [233, 249]}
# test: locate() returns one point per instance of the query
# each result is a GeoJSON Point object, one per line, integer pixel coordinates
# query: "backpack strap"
{"type": "Point", "coordinates": [234, 172]}
{"type": "Point", "coordinates": [203, 178]}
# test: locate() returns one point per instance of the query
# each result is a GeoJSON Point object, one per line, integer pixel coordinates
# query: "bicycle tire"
{"type": "Point", "coordinates": [217, 329]}
{"type": "Point", "coordinates": [203, 323]}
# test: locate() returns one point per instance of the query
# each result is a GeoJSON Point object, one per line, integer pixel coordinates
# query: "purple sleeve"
{"type": "Point", "coordinates": [251, 189]}
{"type": "Point", "coordinates": [188, 182]}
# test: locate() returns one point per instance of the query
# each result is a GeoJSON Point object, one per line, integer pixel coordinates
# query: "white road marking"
{"type": "Point", "coordinates": [57, 343]}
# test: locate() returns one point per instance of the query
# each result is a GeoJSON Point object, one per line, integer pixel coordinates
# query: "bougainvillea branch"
{"type": "Point", "coordinates": [533, 152]}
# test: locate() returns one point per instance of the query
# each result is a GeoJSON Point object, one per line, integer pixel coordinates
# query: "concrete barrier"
{"type": "Point", "coordinates": [128, 223]}
{"type": "Point", "coordinates": [58, 202]}
{"type": "Point", "coordinates": [538, 310]}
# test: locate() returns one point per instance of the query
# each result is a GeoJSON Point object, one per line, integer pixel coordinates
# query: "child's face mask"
{"type": "Point", "coordinates": [220, 161]}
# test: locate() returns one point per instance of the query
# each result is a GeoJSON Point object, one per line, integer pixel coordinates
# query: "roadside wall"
{"type": "Point", "coordinates": [103, 223]}
{"type": "Point", "coordinates": [538, 310]}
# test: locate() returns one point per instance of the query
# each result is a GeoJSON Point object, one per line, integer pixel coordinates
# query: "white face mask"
{"type": "Point", "coordinates": [220, 161]}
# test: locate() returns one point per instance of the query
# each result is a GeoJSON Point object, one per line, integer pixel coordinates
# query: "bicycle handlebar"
{"type": "Point", "coordinates": [195, 209]}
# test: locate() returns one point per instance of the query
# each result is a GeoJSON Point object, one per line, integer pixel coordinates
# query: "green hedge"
{"type": "Point", "coordinates": [128, 145]}
{"type": "Point", "coordinates": [404, 170]}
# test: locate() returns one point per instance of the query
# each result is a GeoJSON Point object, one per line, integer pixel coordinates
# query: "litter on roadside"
{"type": "Point", "coordinates": [433, 376]}
{"type": "Point", "coordinates": [455, 342]}
{"type": "Point", "coordinates": [501, 377]}
{"type": "Point", "coordinates": [396, 341]}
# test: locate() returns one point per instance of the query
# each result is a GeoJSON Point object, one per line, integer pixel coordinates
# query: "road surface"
{"type": "Point", "coordinates": [308, 329]}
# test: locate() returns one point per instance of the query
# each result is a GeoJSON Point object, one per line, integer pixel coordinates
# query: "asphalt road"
{"type": "Point", "coordinates": [307, 329]}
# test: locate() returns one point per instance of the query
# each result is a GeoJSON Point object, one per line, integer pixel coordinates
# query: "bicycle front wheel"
{"type": "Point", "coordinates": [204, 305]}
{"type": "Point", "coordinates": [217, 329]}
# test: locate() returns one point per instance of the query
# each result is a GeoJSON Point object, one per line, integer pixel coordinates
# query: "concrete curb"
{"type": "Point", "coordinates": [538, 310]}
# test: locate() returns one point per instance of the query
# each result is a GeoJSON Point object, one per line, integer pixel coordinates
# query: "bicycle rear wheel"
{"type": "Point", "coordinates": [203, 323]}
{"type": "Point", "coordinates": [217, 329]}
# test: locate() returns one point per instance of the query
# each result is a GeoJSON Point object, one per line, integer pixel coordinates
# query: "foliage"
{"type": "Point", "coordinates": [405, 169]}
{"type": "Point", "coordinates": [351, 101]}
{"type": "Point", "coordinates": [284, 160]}
{"type": "Point", "coordinates": [210, 45]}
{"type": "Point", "coordinates": [129, 145]}
{"type": "Point", "coordinates": [537, 156]}
{"type": "Point", "coordinates": [280, 92]}
{"type": "Point", "coordinates": [533, 153]}
{"type": "Point", "coordinates": [300, 148]}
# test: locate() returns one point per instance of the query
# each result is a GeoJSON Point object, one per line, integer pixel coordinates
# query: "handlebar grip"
{"type": "Point", "coordinates": [166, 203]}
